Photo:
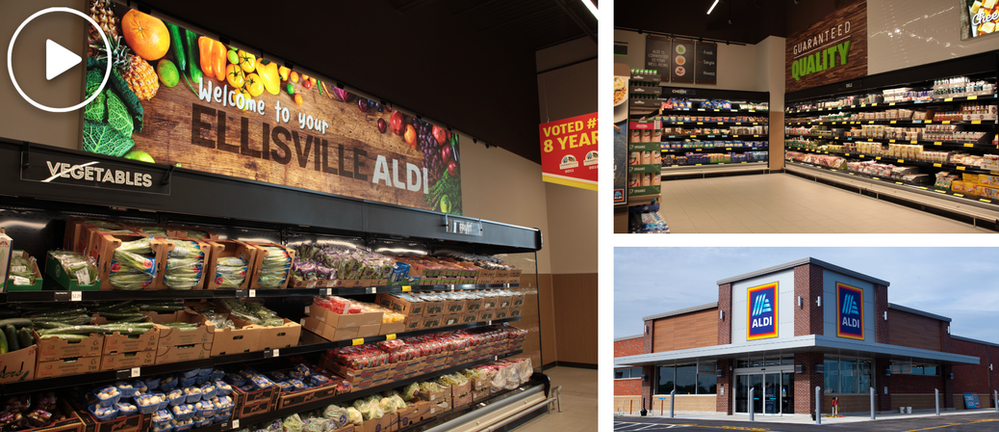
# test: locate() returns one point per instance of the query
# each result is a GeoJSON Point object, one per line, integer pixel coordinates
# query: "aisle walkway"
{"type": "Point", "coordinates": [579, 403]}
{"type": "Point", "coordinates": [783, 203]}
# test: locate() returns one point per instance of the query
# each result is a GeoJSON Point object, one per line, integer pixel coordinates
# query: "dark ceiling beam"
{"type": "Point", "coordinates": [579, 21]}
{"type": "Point", "coordinates": [481, 4]}
{"type": "Point", "coordinates": [410, 5]}
{"type": "Point", "coordinates": [518, 19]}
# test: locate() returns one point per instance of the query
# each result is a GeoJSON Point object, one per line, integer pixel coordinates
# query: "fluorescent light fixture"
{"type": "Point", "coordinates": [593, 9]}
{"type": "Point", "coordinates": [712, 7]}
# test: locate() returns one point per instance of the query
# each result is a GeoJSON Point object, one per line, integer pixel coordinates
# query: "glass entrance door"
{"type": "Point", "coordinates": [773, 393]}
{"type": "Point", "coordinates": [787, 393]}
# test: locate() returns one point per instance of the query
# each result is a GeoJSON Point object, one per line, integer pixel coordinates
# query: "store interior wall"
{"type": "Point", "coordinates": [903, 34]}
{"type": "Point", "coordinates": [770, 78]}
{"type": "Point", "coordinates": [18, 119]}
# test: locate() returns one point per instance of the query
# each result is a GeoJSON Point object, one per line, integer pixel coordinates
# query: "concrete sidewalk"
{"type": "Point", "coordinates": [804, 418]}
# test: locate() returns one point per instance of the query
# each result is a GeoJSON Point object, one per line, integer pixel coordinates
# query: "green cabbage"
{"type": "Point", "coordinates": [118, 116]}
{"type": "Point", "coordinates": [104, 139]}
{"type": "Point", "coordinates": [95, 109]}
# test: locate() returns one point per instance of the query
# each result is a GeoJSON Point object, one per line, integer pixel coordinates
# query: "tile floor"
{"type": "Point", "coordinates": [579, 403]}
{"type": "Point", "coordinates": [784, 203]}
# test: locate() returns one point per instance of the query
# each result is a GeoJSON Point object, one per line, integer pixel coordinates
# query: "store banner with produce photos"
{"type": "Point", "coordinates": [183, 99]}
{"type": "Point", "coordinates": [978, 18]}
{"type": "Point", "coordinates": [569, 151]}
{"type": "Point", "coordinates": [829, 51]}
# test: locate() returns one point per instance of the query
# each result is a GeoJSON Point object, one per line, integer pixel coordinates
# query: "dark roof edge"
{"type": "Point", "coordinates": [917, 312]}
{"type": "Point", "coordinates": [627, 338]}
{"type": "Point", "coordinates": [800, 262]}
{"type": "Point", "coordinates": [681, 311]}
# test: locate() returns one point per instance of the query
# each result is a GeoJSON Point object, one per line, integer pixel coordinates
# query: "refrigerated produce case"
{"type": "Point", "coordinates": [34, 211]}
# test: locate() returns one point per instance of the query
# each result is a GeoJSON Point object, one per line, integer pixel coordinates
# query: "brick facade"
{"type": "Point", "coordinates": [804, 384]}
{"type": "Point", "coordinates": [808, 286]}
{"type": "Point", "coordinates": [881, 306]}
{"type": "Point", "coordinates": [628, 387]}
{"type": "Point", "coordinates": [629, 347]}
{"type": "Point", "coordinates": [725, 305]}
{"type": "Point", "coordinates": [723, 403]}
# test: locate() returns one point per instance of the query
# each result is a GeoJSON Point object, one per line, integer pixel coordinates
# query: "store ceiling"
{"type": "Point", "coordinates": [467, 64]}
{"type": "Point", "coordinates": [751, 20]}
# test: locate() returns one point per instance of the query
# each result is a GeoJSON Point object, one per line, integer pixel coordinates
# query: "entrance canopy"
{"type": "Point", "coordinates": [807, 343]}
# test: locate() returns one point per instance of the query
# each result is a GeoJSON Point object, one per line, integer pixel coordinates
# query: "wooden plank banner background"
{"type": "Point", "coordinates": [814, 56]}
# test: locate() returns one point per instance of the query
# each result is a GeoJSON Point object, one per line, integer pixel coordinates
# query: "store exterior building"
{"type": "Point", "coordinates": [785, 330]}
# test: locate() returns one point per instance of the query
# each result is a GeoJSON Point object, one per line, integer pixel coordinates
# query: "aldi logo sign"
{"type": "Point", "coordinates": [849, 312]}
{"type": "Point", "coordinates": [762, 308]}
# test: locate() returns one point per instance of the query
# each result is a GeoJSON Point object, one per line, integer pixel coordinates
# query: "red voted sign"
{"type": "Point", "coordinates": [569, 151]}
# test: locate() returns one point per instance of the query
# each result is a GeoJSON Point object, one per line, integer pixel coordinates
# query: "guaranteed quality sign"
{"type": "Point", "coordinates": [849, 312]}
{"type": "Point", "coordinates": [189, 100]}
{"type": "Point", "coordinates": [762, 312]}
{"type": "Point", "coordinates": [569, 151]}
{"type": "Point", "coordinates": [831, 50]}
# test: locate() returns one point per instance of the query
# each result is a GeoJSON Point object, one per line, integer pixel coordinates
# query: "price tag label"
{"type": "Point", "coordinates": [949, 100]}
{"type": "Point", "coordinates": [940, 191]}
{"type": "Point", "coordinates": [898, 183]}
{"type": "Point", "coordinates": [697, 164]}
{"type": "Point", "coordinates": [721, 123]}
{"type": "Point", "coordinates": [406, 288]}
{"type": "Point", "coordinates": [371, 290]}
{"type": "Point", "coordinates": [853, 106]}
{"type": "Point", "coordinates": [901, 161]}
{"type": "Point", "coordinates": [252, 293]}
{"type": "Point", "coordinates": [329, 292]}
{"type": "Point", "coordinates": [960, 168]}
{"type": "Point", "coordinates": [936, 165]}
{"type": "Point", "coordinates": [276, 352]}
{"type": "Point", "coordinates": [728, 149]}
{"type": "Point", "coordinates": [716, 110]}
{"type": "Point", "coordinates": [358, 341]}
{"type": "Point", "coordinates": [756, 136]}
{"type": "Point", "coordinates": [937, 143]}
{"type": "Point", "coordinates": [985, 200]}
{"type": "Point", "coordinates": [878, 158]}
{"type": "Point", "coordinates": [863, 105]}
{"type": "Point", "coordinates": [698, 150]}
{"type": "Point", "coordinates": [136, 371]}
{"type": "Point", "coordinates": [847, 154]}
{"type": "Point", "coordinates": [700, 109]}
{"type": "Point", "coordinates": [860, 155]}
{"type": "Point", "coordinates": [693, 136]}
{"type": "Point", "coordinates": [893, 121]}
{"type": "Point", "coordinates": [969, 145]}
{"type": "Point", "coordinates": [972, 97]}
{"type": "Point", "coordinates": [923, 187]}
{"type": "Point", "coordinates": [874, 104]}
{"type": "Point", "coordinates": [891, 141]}
{"type": "Point", "coordinates": [390, 336]}
{"type": "Point", "coordinates": [738, 123]}
{"type": "Point", "coordinates": [235, 423]}
{"type": "Point", "coordinates": [721, 163]}
{"type": "Point", "coordinates": [76, 296]}
{"type": "Point", "coordinates": [945, 122]}
{"type": "Point", "coordinates": [959, 195]}
{"type": "Point", "coordinates": [891, 104]}
{"type": "Point", "coordinates": [735, 136]}
{"type": "Point", "coordinates": [928, 121]}
{"type": "Point", "coordinates": [976, 122]}
{"type": "Point", "coordinates": [700, 123]}
{"type": "Point", "coordinates": [870, 122]}
{"type": "Point", "coordinates": [876, 178]}
{"type": "Point", "coordinates": [837, 137]}
{"type": "Point", "coordinates": [850, 173]}
{"type": "Point", "coordinates": [913, 142]}
{"type": "Point", "coordinates": [870, 139]}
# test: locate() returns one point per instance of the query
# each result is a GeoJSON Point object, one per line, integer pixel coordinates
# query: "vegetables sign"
{"type": "Point", "coordinates": [188, 100]}
{"type": "Point", "coordinates": [569, 151]}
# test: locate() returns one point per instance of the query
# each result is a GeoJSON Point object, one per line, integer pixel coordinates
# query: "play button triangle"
{"type": "Point", "coordinates": [58, 59]}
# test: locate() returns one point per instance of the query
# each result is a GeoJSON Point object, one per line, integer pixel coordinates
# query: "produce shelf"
{"type": "Point", "coordinates": [711, 123]}
{"type": "Point", "coordinates": [710, 136]}
{"type": "Point", "coordinates": [311, 343]}
{"type": "Point", "coordinates": [894, 160]}
{"type": "Point", "coordinates": [63, 296]}
{"type": "Point", "coordinates": [718, 110]}
{"type": "Point", "coordinates": [948, 144]}
{"type": "Point", "coordinates": [893, 122]}
{"type": "Point", "coordinates": [716, 163]}
{"type": "Point", "coordinates": [322, 403]}
{"type": "Point", "coordinates": [697, 149]}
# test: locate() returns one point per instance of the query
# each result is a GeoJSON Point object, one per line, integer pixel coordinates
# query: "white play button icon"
{"type": "Point", "coordinates": [58, 59]}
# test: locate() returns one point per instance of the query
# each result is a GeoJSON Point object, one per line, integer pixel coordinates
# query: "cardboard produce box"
{"type": "Point", "coordinates": [327, 332]}
{"type": "Point", "coordinates": [118, 343]}
{"type": "Point", "coordinates": [413, 323]}
{"type": "Point", "coordinates": [382, 424]}
{"type": "Point", "coordinates": [400, 305]}
{"type": "Point", "coordinates": [355, 376]}
{"type": "Point", "coordinates": [55, 348]}
{"type": "Point", "coordinates": [235, 341]}
{"type": "Point", "coordinates": [195, 233]}
{"type": "Point", "coordinates": [461, 390]}
{"type": "Point", "coordinates": [291, 399]}
{"type": "Point", "coordinates": [55, 271]}
{"type": "Point", "coordinates": [283, 336]}
{"type": "Point", "coordinates": [487, 315]}
{"type": "Point", "coordinates": [414, 413]}
{"type": "Point", "coordinates": [203, 246]}
{"type": "Point", "coordinates": [432, 321]}
{"type": "Point", "coordinates": [103, 249]}
{"type": "Point", "coordinates": [369, 330]}
{"type": "Point", "coordinates": [72, 422]}
{"type": "Point", "coordinates": [478, 395]}
{"type": "Point", "coordinates": [473, 306]}
{"type": "Point", "coordinates": [254, 271]}
{"type": "Point", "coordinates": [17, 366]}
{"type": "Point", "coordinates": [461, 401]}
{"type": "Point", "coordinates": [348, 428]}
{"type": "Point", "coordinates": [451, 320]}
{"type": "Point", "coordinates": [169, 336]}
{"type": "Point", "coordinates": [334, 319]}
{"type": "Point", "coordinates": [254, 402]}
{"type": "Point", "coordinates": [501, 313]}
{"type": "Point", "coordinates": [228, 248]}
{"type": "Point", "coordinates": [469, 318]}
{"type": "Point", "coordinates": [37, 286]}
{"type": "Point", "coordinates": [63, 367]}
{"type": "Point", "coordinates": [178, 353]}
{"type": "Point", "coordinates": [392, 328]}
{"type": "Point", "coordinates": [127, 360]}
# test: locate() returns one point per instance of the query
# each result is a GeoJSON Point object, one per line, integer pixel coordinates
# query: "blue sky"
{"type": "Point", "coordinates": [959, 283]}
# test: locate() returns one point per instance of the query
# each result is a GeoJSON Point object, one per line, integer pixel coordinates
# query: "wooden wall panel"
{"type": "Point", "coordinates": [575, 311]}
{"type": "Point", "coordinates": [914, 331]}
{"type": "Point", "coordinates": [693, 330]}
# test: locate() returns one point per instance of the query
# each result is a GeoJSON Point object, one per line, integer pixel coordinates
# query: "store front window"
{"type": "Point", "coordinates": [687, 379]}
{"type": "Point", "coordinates": [847, 375]}
{"type": "Point", "coordinates": [625, 373]}
{"type": "Point", "coordinates": [915, 368]}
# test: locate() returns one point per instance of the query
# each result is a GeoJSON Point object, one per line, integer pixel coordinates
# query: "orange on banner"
{"type": "Point", "coordinates": [569, 151]}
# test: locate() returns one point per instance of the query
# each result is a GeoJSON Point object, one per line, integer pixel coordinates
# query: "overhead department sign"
{"type": "Point", "coordinates": [829, 51]}
{"type": "Point", "coordinates": [762, 308]}
{"type": "Point", "coordinates": [849, 312]}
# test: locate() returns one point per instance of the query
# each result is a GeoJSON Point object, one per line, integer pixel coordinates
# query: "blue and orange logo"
{"type": "Point", "coordinates": [849, 311]}
{"type": "Point", "coordinates": [762, 312]}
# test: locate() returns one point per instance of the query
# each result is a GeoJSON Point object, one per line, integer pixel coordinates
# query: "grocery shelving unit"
{"type": "Point", "coordinates": [822, 124]}
{"type": "Point", "coordinates": [33, 211]}
{"type": "Point", "coordinates": [741, 134]}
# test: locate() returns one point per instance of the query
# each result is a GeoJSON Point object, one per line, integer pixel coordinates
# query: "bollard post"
{"type": "Point", "coordinates": [936, 399]}
{"type": "Point", "coordinates": [751, 404]}
{"type": "Point", "coordinates": [995, 400]}
{"type": "Point", "coordinates": [872, 403]}
{"type": "Point", "coordinates": [672, 402]}
{"type": "Point", "coordinates": [818, 405]}
{"type": "Point", "coordinates": [644, 412]}
{"type": "Point", "coordinates": [662, 406]}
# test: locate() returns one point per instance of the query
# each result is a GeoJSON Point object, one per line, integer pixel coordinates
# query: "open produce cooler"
{"type": "Point", "coordinates": [170, 271]}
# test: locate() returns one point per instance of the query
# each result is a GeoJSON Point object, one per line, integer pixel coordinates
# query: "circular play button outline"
{"type": "Point", "coordinates": [10, 51]}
